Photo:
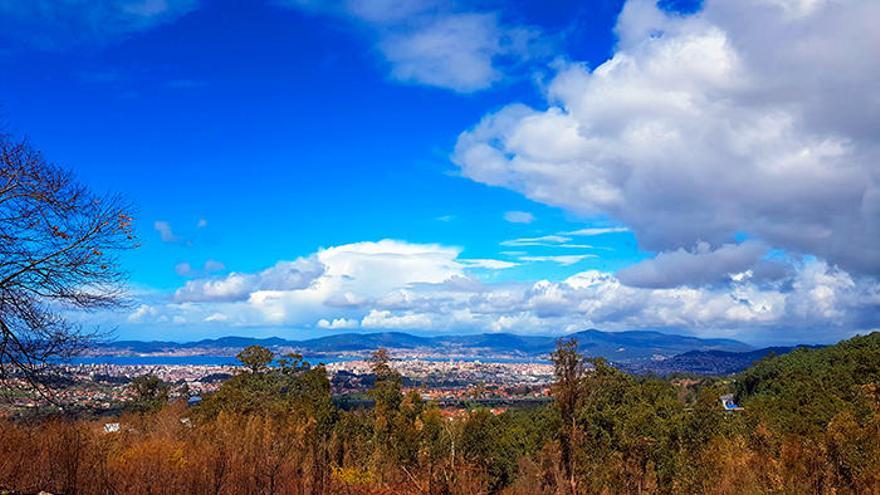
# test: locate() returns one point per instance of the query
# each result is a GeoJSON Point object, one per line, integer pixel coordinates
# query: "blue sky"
{"type": "Point", "coordinates": [532, 167]}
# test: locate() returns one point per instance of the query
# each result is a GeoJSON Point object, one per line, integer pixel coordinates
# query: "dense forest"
{"type": "Point", "coordinates": [810, 423]}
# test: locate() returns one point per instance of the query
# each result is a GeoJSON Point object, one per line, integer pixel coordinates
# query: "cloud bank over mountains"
{"type": "Point", "coordinates": [753, 117]}
{"type": "Point", "coordinates": [427, 287]}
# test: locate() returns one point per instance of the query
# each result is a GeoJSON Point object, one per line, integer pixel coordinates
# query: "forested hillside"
{"type": "Point", "coordinates": [810, 424]}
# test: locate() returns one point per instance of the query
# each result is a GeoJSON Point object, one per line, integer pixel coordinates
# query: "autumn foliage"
{"type": "Point", "coordinates": [276, 430]}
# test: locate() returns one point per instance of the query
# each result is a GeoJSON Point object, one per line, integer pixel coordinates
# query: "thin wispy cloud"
{"type": "Point", "coordinates": [186, 269]}
{"type": "Point", "coordinates": [544, 240]}
{"type": "Point", "coordinates": [439, 44]}
{"type": "Point", "coordinates": [562, 259]}
{"type": "Point", "coordinates": [59, 25]}
{"type": "Point", "coordinates": [489, 264]}
{"type": "Point", "coordinates": [519, 217]}
{"type": "Point", "coordinates": [165, 231]}
{"type": "Point", "coordinates": [594, 231]}
{"type": "Point", "coordinates": [554, 240]}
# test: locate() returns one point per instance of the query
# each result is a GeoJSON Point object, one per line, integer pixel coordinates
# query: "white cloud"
{"type": "Point", "coordinates": [519, 217]}
{"type": "Point", "coordinates": [389, 11]}
{"type": "Point", "coordinates": [545, 240]}
{"type": "Point", "coordinates": [425, 287]}
{"type": "Point", "coordinates": [165, 232]}
{"type": "Point", "coordinates": [216, 317]}
{"type": "Point", "coordinates": [454, 51]}
{"type": "Point", "coordinates": [594, 231]}
{"type": "Point", "coordinates": [185, 269]}
{"type": "Point", "coordinates": [285, 275]}
{"type": "Point", "coordinates": [141, 312]}
{"type": "Point", "coordinates": [386, 319]}
{"type": "Point", "coordinates": [754, 116]}
{"type": "Point", "coordinates": [701, 266]}
{"type": "Point", "coordinates": [235, 286]}
{"type": "Point", "coordinates": [562, 259]}
{"type": "Point", "coordinates": [341, 277]}
{"type": "Point", "coordinates": [553, 240]}
{"type": "Point", "coordinates": [214, 266]}
{"type": "Point", "coordinates": [489, 264]}
{"type": "Point", "coordinates": [436, 43]}
{"type": "Point", "coordinates": [338, 323]}
{"type": "Point", "coordinates": [49, 24]}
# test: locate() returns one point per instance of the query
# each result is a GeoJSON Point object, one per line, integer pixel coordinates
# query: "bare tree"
{"type": "Point", "coordinates": [59, 246]}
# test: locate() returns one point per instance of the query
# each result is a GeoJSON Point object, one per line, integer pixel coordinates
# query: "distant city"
{"type": "Point", "coordinates": [498, 370]}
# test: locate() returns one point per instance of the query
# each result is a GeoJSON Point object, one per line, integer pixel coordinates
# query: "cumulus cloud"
{"type": "Point", "coordinates": [338, 323]}
{"type": "Point", "coordinates": [435, 43]}
{"type": "Point", "coordinates": [233, 287]}
{"type": "Point", "coordinates": [333, 279]}
{"type": "Point", "coordinates": [387, 319]}
{"type": "Point", "coordinates": [757, 116]}
{"type": "Point", "coordinates": [141, 312]}
{"type": "Point", "coordinates": [356, 274]}
{"type": "Point", "coordinates": [426, 287]}
{"type": "Point", "coordinates": [49, 24]}
{"type": "Point", "coordinates": [285, 275]}
{"type": "Point", "coordinates": [519, 217]}
{"type": "Point", "coordinates": [216, 317]}
{"type": "Point", "coordinates": [701, 266]}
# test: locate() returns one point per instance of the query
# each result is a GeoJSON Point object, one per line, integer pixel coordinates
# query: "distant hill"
{"type": "Point", "coordinates": [614, 346]}
{"type": "Point", "coordinates": [804, 391]}
{"type": "Point", "coordinates": [639, 345]}
{"type": "Point", "coordinates": [713, 362]}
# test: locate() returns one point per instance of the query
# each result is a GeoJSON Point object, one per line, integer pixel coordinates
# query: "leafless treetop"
{"type": "Point", "coordinates": [59, 246]}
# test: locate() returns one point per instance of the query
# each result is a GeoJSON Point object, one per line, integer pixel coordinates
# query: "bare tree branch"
{"type": "Point", "coordinates": [59, 244]}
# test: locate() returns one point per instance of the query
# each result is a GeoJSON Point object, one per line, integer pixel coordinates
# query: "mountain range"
{"type": "Point", "coordinates": [637, 351]}
{"type": "Point", "coordinates": [714, 362]}
{"type": "Point", "coordinates": [615, 346]}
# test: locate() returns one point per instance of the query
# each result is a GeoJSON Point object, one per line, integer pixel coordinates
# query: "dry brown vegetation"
{"type": "Point", "coordinates": [275, 430]}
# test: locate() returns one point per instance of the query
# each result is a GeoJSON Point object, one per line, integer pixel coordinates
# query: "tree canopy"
{"type": "Point", "coordinates": [276, 429]}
